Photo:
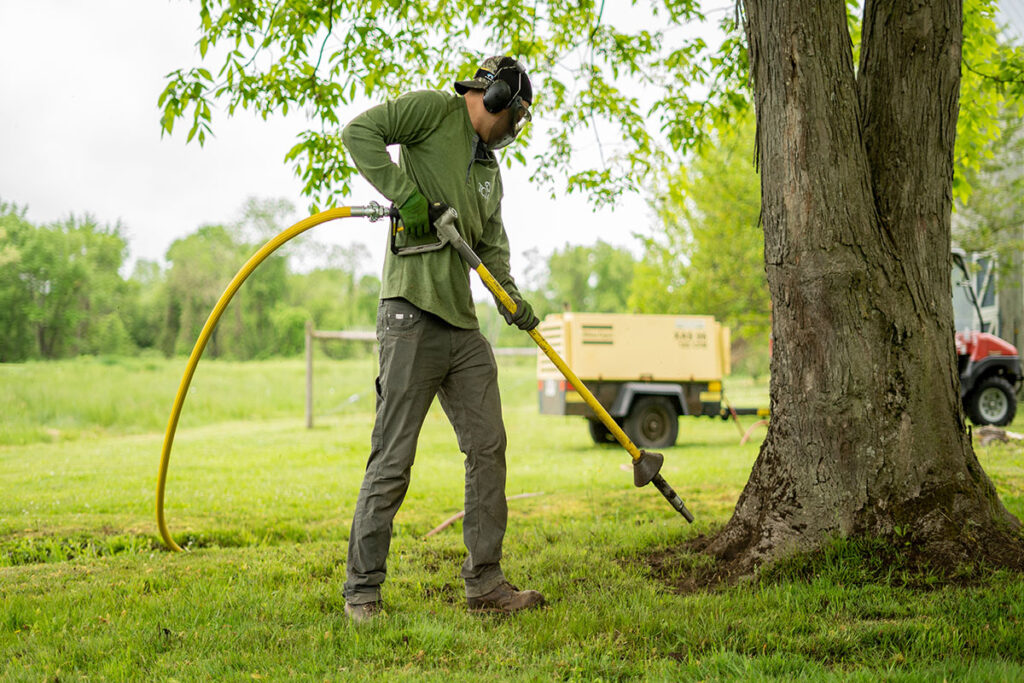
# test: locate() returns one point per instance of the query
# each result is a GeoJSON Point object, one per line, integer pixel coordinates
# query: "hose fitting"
{"type": "Point", "coordinates": [374, 211]}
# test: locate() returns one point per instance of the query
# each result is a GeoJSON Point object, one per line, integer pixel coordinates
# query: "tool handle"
{"type": "Point", "coordinates": [606, 419]}
{"type": "Point", "coordinates": [436, 211]}
{"type": "Point", "coordinates": [672, 497]}
{"type": "Point", "coordinates": [497, 290]}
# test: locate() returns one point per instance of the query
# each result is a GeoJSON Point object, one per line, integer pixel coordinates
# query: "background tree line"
{"type": "Point", "coordinates": [63, 291]}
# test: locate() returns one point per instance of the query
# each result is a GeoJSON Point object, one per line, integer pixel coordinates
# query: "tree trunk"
{"type": "Point", "coordinates": [866, 433]}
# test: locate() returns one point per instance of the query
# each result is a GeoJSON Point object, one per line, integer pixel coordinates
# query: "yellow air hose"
{"type": "Point", "coordinates": [373, 211]}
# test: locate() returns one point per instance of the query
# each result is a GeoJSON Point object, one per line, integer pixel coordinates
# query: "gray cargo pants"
{"type": "Point", "coordinates": [422, 356]}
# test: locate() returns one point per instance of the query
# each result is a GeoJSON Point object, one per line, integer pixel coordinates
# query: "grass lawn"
{"type": "Point", "coordinates": [88, 592]}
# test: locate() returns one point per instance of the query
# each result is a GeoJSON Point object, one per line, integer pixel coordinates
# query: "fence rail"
{"type": "Point", "coordinates": [364, 336]}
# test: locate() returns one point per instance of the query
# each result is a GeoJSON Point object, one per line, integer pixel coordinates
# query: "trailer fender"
{"type": "Point", "coordinates": [631, 390]}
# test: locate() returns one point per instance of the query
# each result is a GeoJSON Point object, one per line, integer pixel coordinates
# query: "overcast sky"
{"type": "Point", "coordinates": [79, 132]}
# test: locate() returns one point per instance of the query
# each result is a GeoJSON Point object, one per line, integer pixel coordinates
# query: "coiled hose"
{"type": "Point", "coordinates": [373, 211]}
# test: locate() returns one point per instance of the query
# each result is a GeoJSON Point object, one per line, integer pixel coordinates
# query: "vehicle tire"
{"type": "Point", "coordinates": [598, 432]}
{"type": "Point", "coordinates": [991, 402]}
{"type": "Point", "coordinates": [652, 422]}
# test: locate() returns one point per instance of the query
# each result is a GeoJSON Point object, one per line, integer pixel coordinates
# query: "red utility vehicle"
{"type": "Point", "coordinates": [990, 369]}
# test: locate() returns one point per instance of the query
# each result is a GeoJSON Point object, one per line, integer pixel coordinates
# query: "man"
{"type": "Point", "coordinates": [430, 342]}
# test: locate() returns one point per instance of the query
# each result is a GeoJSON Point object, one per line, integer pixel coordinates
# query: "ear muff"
{"type": "Point", "coordinates": [498, 96]}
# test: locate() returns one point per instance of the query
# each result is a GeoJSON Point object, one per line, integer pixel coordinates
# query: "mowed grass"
{"type": "Point", "coordinates": [87, 592]}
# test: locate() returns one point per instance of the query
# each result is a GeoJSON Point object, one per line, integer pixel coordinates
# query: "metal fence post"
{"type": "Point", "coordinates": [309, 374]}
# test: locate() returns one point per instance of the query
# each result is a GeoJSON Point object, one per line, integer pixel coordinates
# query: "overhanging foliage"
{"type": "Point", "coordinates": [632, 98]}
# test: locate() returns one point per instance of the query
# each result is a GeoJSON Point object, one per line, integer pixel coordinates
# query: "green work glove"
{"type": "Point", "coordinates": [523, 318]}
{"type": "Point", "coordinates": [414, 215]}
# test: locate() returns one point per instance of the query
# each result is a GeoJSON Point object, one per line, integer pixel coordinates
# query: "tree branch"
{"type": "Point", "coordinates": [1019, 80]}
{"type": "Point", "coordinates": [270, 24]}
{"type": "Point", "coordinates": [330, 29]}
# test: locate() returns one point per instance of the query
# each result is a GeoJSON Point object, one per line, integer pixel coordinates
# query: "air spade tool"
{"type": "Point", "coordinates": [646, 466]}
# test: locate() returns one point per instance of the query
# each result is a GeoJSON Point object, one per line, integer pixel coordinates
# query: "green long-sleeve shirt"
{"type": "Point", "coordinates": [440, 155]}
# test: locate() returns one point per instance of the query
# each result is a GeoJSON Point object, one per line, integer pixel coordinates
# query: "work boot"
{"type": "Point", "coordinates": [363, 613]}
{"type": "Point", "coordinates": [506, 598]}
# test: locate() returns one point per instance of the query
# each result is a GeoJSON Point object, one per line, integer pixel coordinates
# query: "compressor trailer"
{"type": "Point", "coordinates": [647, 370]}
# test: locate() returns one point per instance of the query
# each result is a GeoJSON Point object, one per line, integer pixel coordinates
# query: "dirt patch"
{"type": "Point", "coordinates": [687, 569]}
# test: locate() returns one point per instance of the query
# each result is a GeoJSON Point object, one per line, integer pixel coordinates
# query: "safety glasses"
{"type": "Point", "coordinates": [519, 116]}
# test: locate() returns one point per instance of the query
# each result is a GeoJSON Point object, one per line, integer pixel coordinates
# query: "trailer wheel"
{"type": "Point", "coordinates": [991, 402]}
{"type": "Point", "coordinates": [652, 422]}
{"type": "Point", "coordinates": [598, 432]}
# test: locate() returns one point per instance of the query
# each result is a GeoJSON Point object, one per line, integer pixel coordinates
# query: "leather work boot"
{"type": "Point", "coordinates": [506, 598]}
{"type": "Point", "coordinates": [364, 613]}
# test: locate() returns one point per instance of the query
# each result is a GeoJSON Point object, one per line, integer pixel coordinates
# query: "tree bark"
{"type": "Point", "coordinates": [867, 434]}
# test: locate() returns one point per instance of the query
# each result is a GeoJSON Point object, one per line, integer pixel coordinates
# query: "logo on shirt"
{"type": "Point", "coordinates": [485, 189]}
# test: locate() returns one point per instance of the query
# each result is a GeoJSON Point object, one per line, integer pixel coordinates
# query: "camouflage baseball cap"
{"type": "Point", "coordinates": [505, 68]}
